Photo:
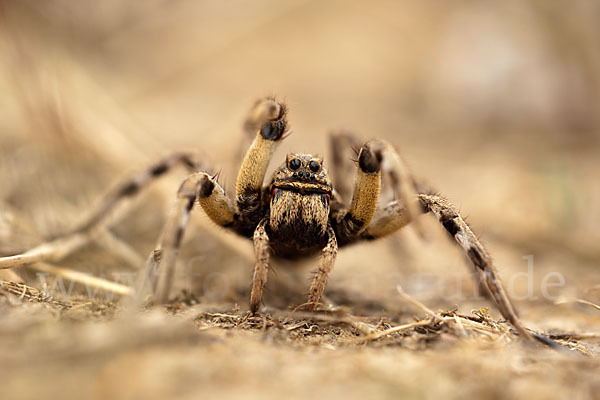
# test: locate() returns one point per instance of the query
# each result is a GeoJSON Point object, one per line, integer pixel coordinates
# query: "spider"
{"type": "Point", "coordinates": [299, 212]}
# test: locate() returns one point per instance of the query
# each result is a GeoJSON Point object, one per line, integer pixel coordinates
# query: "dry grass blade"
{"type": "Point", "coordinates": [49, 251]}
{"type": "Point", "coordinates": [85, 279]}
{"type": "Point", "coordinates": [416, 302]}
{"type": "Point", "coordinates": [564, 300]}
{"type": "Point", "coordinates": [400, 328]}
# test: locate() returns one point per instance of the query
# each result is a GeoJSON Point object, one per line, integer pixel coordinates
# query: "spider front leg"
{"type": "Point", "coordinates": [261, 268]}
{"type": "Point", "coordinates": [217, 206]}
{"type": "Point", "coordinates": [269, 118]}
{"type": "Point", "coordinates": [326, 262]}
{"type": "Point", "coordinates": [349, 223]}
{"type": "Point", "coordinates": [387, 220]}
{"type": "Point", "coordinates": [404, 207]}
{"type": "Point", "coordinates": [365, 197]}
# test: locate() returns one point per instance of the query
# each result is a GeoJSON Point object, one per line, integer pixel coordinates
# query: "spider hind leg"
{"type": "Point", "coordinates": [459, 230]}
{"type": "Point", "coordinates": [136, 184]}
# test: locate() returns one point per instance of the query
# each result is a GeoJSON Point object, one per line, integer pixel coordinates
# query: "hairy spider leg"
{"type": "Point", "coordinates": [217, 206]}
{"type": "Point", "coordinates": [364, 199]}
{"type": "Point", "coordinates": [407, 205]}
{"type": "Point", "coordinates": [455, 225]}
{"type": "Point", "coordinates": [136, 184]}
{"type": "Point", "coordinates": [96, 220]}
{"type": "Point", "coordinates": [261, 268]}
{"type": "Point", "coordinates": [249, 183]}
{"type": "Point", "coordinates": [212, 197]}
{"type": "Point", "coordinates": [326, 262]}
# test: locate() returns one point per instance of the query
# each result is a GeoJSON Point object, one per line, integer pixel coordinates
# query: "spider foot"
{"type": "Point", "coordinates": [309, 306]}
{"type": "Point", "coordinates": [268, 116]}
{"type": "Point", "coordinates": [369, 159]}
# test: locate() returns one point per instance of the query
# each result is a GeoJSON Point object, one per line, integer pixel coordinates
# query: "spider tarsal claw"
{"type": "Point", "coordinates": [368, 160]}
{"type": "Point", "coordinates": [273, 130]}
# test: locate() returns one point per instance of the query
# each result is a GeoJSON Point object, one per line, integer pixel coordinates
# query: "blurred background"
{"type": "Point", "coordinates": [495, 104]}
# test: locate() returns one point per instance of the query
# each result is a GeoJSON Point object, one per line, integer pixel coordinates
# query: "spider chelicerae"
{"type": "Point", "coordinates": [298, 213]}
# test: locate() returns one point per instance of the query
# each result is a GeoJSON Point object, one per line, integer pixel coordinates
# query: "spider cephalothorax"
{"type": "Point", "coordinates": [299, 212]}
{"type": "Point", "coordinates": [299, 206]}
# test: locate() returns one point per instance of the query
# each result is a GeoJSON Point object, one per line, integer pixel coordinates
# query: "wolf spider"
{"type": "Point", "coordinates": [300, 213]}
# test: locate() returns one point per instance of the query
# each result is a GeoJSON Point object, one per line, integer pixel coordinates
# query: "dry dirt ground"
{"type": "Point", "coordinates": [494, 104]}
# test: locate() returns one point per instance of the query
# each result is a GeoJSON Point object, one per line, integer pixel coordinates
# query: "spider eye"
{"type": "Point", "coordinates": [295, 164]}
{"type": "Point", "coordinates": [314, 166]}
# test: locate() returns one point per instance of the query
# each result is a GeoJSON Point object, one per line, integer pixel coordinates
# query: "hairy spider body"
{"type": "Point", "coordinates": [299, 212]}
{"type": "Point", "coordinates": [299, 231]}
{"type": "Point", "coordinates": [298, 206]}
